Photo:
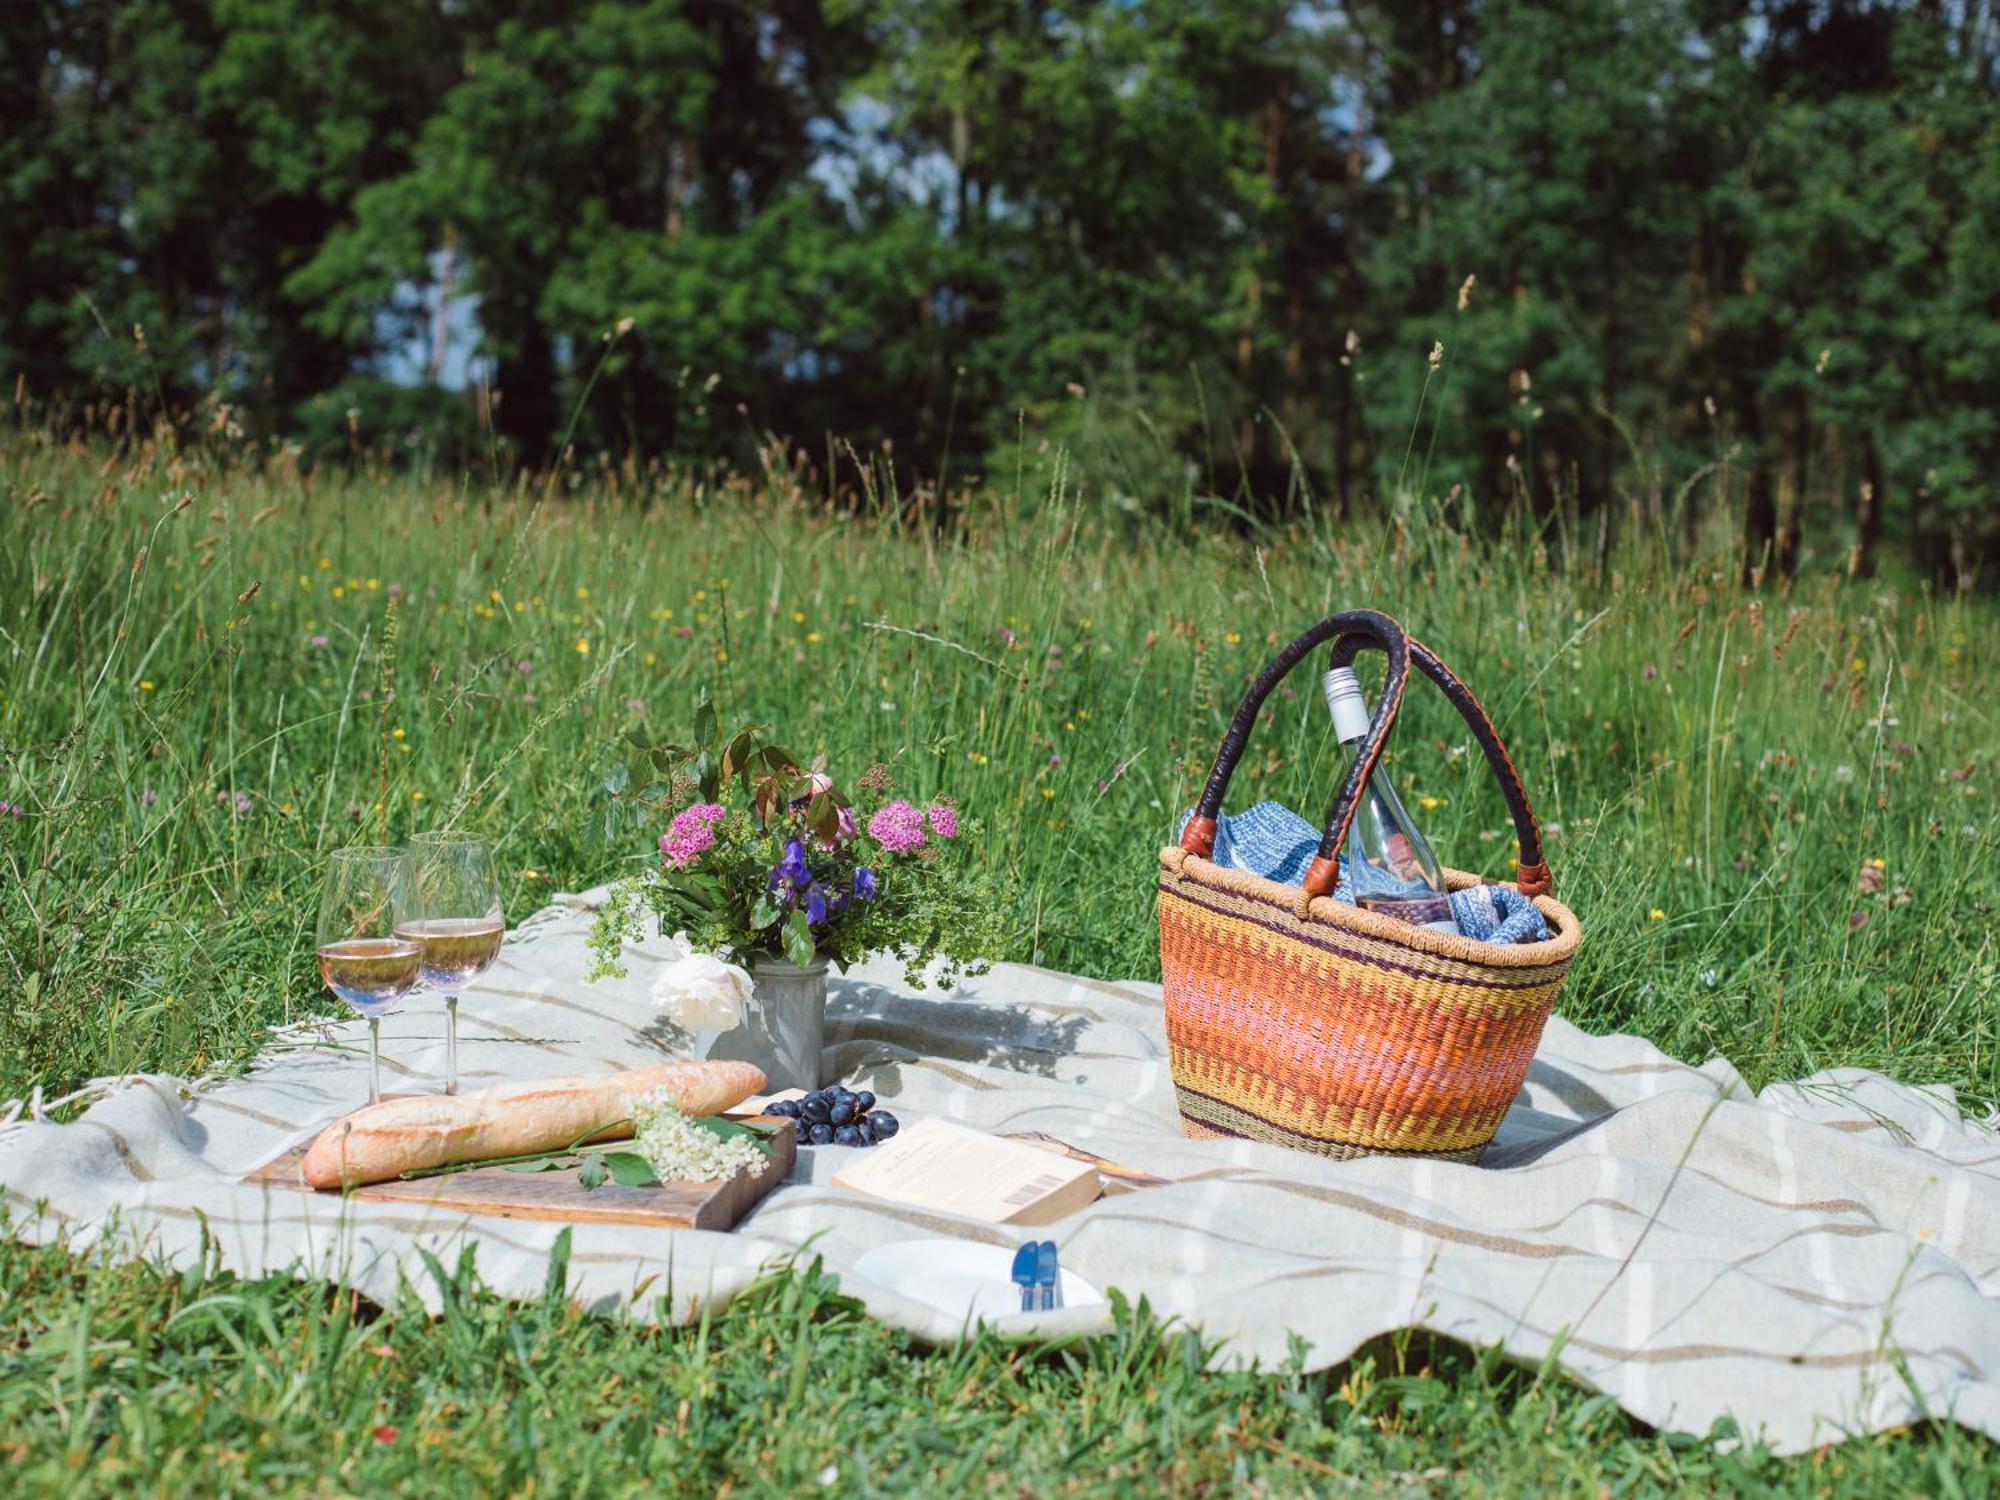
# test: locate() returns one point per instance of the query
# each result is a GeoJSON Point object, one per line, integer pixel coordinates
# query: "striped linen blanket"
{"type": "Point", "coordinates": [1694, 1249]}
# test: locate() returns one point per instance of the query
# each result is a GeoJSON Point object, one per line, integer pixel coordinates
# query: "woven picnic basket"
{"type": "Point", "coordinates": [1296, 1019]}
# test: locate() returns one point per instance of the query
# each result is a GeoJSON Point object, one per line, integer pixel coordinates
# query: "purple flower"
{"type": "Point", "coordinates": [944, 820]}
{"type": "Point", "coordinates": [864, 884]}
{"type": "Point", "coordinates": [319, 642]}
{"type": "Point", "coordinates": [816, 907]}
{"type": "Point", "coordinates": [9, 809]}
{"type": "Point", "coordinates": [149, 797]}
{"type": "Point", "coordinates": [791, 870]}
{"type": "Point", "coordinates": [691, 832]}
{"type": "Point", "coordinates": [899, 828]}
{"type": "Point", "coordinates": [524, 665]}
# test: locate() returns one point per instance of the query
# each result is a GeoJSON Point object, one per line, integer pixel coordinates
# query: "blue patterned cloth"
{"type": "Point", "coordinates": [1273, 841]}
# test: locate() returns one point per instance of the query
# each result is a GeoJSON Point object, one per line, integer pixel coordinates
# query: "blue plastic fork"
{"type": "Point", "coordinates": [1048, 1276]}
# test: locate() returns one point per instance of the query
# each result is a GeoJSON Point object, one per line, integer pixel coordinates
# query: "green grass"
{"type": "Point", "coordinates": [185, 755]}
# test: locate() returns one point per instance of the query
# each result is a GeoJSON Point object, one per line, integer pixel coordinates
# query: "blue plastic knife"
{"type": "Point", "coordinates": [1026, 1262]}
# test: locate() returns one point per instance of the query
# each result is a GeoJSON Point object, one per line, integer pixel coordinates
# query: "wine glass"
{"type": "Point", "coordinates": [361, 957]}
{"type": "Point", "coordinates": [448, 902]}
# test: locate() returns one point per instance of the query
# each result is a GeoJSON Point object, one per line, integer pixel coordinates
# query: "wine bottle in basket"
{"type": "Point", "coordinates": [1389, 864]}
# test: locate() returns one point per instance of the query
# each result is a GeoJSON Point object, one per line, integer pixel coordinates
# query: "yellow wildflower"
{"type": "Point", "coordinates": [339, 592]}
{"type": "Point", "coordinates": [146, 685]}
{"type": "Point", "coordinates": [812, 637]}
{"type": "Point", "coordinates": [582, 593]}
{"type": "Point", "coordinates": [1656, 915]}
{"type": "Point", "coordinates": [582, 646]}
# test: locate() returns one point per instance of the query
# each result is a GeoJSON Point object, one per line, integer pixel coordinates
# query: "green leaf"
{"type": "Point", "coordinates": [823, 817]}
{"type": "Point", "coordinates": [630, 1169]}
{"type": "Point", "coordinates": [550, 1163]}
{"type": "Point", "coordinates": [763, 912]}
{"type": "Point", "coordinates": [729, 1130]}
{"type": "Point", "coordinates": [618, 780]}
{"type": "Point", "coordinates": [707, 775]}
{"type": "Point", "coordinates": [704, 723]}
{"type": "Point", "coordinates": [592, 1174]}
{"type": "Point", "coordinates": [798, 939]}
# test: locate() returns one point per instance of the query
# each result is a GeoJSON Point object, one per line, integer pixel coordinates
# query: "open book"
{"type": "Point", "coordinates": [938, 1165]}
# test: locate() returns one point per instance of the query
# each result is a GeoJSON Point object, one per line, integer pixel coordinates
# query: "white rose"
{"type": "Point", "coordinates": [702, 992]}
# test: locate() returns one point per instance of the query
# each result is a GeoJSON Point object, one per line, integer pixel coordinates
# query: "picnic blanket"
{"type": "Point", "coordinates": [1817, 1260]}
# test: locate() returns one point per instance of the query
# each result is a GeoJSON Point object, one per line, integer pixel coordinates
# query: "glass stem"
{"type": "Point", "coordinates": [451, 1044]}
{"type": "Point", "coordinates": [374, 1060]}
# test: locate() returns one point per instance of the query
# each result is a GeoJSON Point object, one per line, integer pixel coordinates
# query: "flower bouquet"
{"type": "Point", "coordinates": [770, 864]}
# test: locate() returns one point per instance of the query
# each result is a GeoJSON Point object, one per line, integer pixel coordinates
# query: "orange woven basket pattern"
{"type": "Point", "coordinates": [1340, 1031]}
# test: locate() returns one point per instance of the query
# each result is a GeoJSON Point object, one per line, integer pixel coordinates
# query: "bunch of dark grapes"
{"type": "Point", "coordinates": [838, 1116]}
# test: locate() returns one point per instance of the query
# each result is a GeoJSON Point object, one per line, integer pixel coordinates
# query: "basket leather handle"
{"type": "Point", "coordinates": [1350, 631]}
{"type": "Point", "coordinates": [1532, 871]}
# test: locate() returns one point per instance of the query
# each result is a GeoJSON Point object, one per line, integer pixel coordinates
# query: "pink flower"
{"type": "Point", "coordinates": [691, 832]}
{"type": "Point", "coordinates": [944, 820]}
{"type": "Point", "coordinates": [899, 828]}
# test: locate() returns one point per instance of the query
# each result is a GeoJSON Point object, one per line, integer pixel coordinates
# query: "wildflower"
{"type": "Point", "coordinates": [396, 733]}
{"type": "Point", "coordinates": [864, 884]}
{"type": "Point", "coordinates": [339, 592]}
{"type": "Point", "coordinates": [9, 810]}
{"type": "Point", "coordinates": [684, 632]}
{"type": "Point", "coordinates": [325, 563]}
{"type": "Point", "coordinates": [1232, 639]}
{"type": "Point", "coordinates": [1048, 792]}
{"type": "Point", "coordinates": [529, 698]}
{"type": "Point", "coordinates": [416, 796]}
{"type": "Point", "coordinates": [812, 637]}
{"type": "Point", "coordinates": [691, 832]}
{"type": "Point", "coordinates": [1656, 915]}
{"type": "Point", "coordinates": [318, 643]}
{"type": "Point", "coordinates": [977, 757]}
{"type": "Point", "coordinates": [1856, 920]}
{"type": "Point", "coordinates": [898, 827]}
{"type": "Point", "coordinates": [1437, 353]}
{"type": "Point", "coordinates": [148, 797]}
{"type": "Point", "coordinates": [582, 646]}
{"type": "Point", "coordinates": [1430, 804]}
{"type": "Point", "coordinates": [583, 593]}
{"type": "Point", "coordinates": [816, 908]}
{"type": "Point", "coordinates": [943, 819]}
{"type": "Point", "coordinates": [146, 685]}
{"type": "Point", "coordinates": [792, 870]}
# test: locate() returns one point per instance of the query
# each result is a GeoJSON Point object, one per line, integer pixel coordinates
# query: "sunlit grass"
{"type": "Point", "coordinates": [1774, 813]}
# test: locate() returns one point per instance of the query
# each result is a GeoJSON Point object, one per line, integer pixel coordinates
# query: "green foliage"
{"type": "Point", "coordinates": [1185, 255]}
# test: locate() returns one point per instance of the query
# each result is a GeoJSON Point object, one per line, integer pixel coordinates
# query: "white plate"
{"type": "Point", "coordinates": [961, 1278]}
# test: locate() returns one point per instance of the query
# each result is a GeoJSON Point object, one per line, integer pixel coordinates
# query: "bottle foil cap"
{"type": "Point", "coordinates": [1345, 702]}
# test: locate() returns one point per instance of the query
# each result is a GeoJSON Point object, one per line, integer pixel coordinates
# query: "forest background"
{"type": "Point", "coordinates": [1671, 260]}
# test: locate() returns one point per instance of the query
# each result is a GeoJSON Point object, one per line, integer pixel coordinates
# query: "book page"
{"type": "Point", "coordinates": [938, 1165]}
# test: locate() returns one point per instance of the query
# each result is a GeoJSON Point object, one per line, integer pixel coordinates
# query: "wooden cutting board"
{"type": "Point", "coordinates": [558, 1195]}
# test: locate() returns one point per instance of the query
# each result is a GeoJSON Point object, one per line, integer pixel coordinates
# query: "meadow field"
{"type": "Point", "coordinates": [1774, 809]}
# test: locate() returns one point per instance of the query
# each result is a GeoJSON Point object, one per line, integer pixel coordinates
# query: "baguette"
{"type": "Point", "coordinates": [513, 1119]}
